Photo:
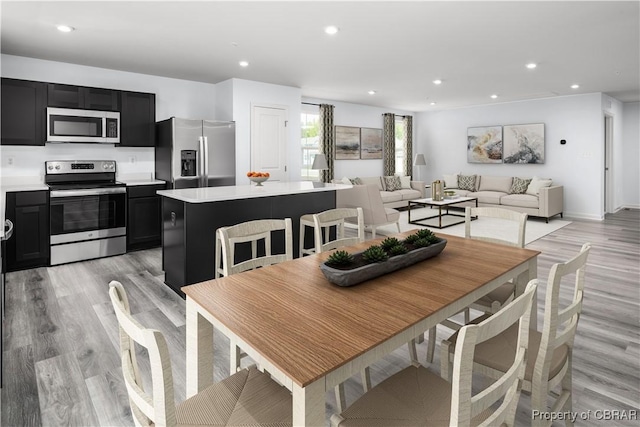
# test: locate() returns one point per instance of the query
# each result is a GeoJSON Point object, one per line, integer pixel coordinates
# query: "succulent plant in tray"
{"type": "Point", "coordinates": [339, 258]}
{"type": "Point", "coordinates": [374, 254]}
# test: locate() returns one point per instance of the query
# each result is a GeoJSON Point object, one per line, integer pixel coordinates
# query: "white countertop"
{"type": "Point", "coordinates": [238, 192]}
{"type": "Point", "coordinates": [132, 182]}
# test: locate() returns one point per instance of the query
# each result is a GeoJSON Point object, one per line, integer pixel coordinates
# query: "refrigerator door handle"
{"type": "Point", "coordinates": [206, 162]}
{"type": "Point", "coordinates": [202, 159]}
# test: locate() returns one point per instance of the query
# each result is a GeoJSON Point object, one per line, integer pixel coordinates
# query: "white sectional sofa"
{"type": "Point", "coordinates": [541, 198]}
{"type": "Point", "coordinates": [410, 190]}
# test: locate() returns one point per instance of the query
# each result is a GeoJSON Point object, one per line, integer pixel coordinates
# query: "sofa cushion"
{"type": "Point", "coordinates": [392, 183]}
{"type": "Point", "coordinates": [536, 184]}
{"type": "Point", "coordinates": [390, 196]}
{"type": "Point", "coordinates": [489, 197]}
{"type": "Point", "coordinates": [520, 200]}
{"type": "Point", "coordinates": [356, 181]}
{"type": "Point", "coordinates": [467, 182]}
{"type": "Point", "coordinates": [406, 182]}
{"type": "Point", "coordinates": [451, 181]}
{"type": "Point", "coordinates": [519, 185]}
{"type": "Point", "coordinates": [463, 193]}
{"type": "Point", "coordinates": [376, 180]}
{"type": "Point", "coordinates": [409, 194]}
{"type": "Point", "coordinates": [495, 183]}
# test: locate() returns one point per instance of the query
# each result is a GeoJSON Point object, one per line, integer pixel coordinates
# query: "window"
{"type": "Point", "coordinates": [401, 136]}
{"type": "Point", "coordinates": [309, 141]}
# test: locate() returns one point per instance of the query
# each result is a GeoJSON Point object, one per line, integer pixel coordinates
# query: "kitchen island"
{"type": "Point", "coordinates": [191, 216]}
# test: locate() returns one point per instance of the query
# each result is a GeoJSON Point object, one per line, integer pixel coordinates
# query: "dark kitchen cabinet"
{"type": "Point", "coordinates": [144, 226]}
{"type": "Point", "coordinates": [29, 246]}
{"type": "Point", "coordinates": [137, 119]}
{"type": "Point", "coordinates": [88, 98]}
{"type": "Point", "coordinates": [23, 108]}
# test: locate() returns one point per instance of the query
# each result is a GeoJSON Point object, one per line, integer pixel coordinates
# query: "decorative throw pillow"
{"type": "Point", "coordinates": [356, 181]}
{"type": "Point", "coordinates": [467, 182]}
{"type": "Point", "coordinates": [519, 185]}
{"type": "Point", "coordinates": [451, 181]}
{"type": "Point", "coordinates": [392, 183]}
{"type": "Point", "coordinates": [345, 180]}
{"type": "Point", "coordinates": [405, 182]}
{"type": "Point", "coordinates": [536, 184]}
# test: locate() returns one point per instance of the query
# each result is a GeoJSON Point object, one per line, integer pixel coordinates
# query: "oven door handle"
{"type": "Point", "coordinates": [87, 192]}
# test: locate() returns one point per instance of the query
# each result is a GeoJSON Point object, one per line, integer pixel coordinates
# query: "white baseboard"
{"type": "Point", "coordinates": [576, 215]}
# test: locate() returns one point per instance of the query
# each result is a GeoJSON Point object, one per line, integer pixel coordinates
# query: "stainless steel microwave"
{"type": "Point", "coordinates": [71, 125]}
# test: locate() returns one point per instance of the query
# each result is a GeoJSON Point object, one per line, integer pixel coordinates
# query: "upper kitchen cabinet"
{"type": "Point", "coordinates": [137, 119]}
{"type": "Point", "coordinates": [23, 112]}
{"type": "Point", "coordinates": [88, 98]}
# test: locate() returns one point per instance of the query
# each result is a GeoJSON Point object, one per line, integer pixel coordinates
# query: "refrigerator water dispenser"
{"type": "Point", "coordinates": [188, 163]}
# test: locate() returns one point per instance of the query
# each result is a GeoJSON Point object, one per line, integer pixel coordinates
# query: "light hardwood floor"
{"type": "Point", "coordinates": [61, 365]}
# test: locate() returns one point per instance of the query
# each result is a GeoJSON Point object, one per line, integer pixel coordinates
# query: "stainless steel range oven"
{"type": "Point", "coordinates": [88, 210]}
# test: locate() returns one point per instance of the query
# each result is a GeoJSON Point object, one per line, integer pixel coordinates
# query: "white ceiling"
{"type": "Point", "coordinates": [395, 48]}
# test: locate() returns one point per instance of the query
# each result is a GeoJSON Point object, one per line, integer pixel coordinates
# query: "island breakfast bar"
{"type": "Point", "coordinates": [191, 216]}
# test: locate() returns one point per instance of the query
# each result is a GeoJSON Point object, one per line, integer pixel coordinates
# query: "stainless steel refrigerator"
{"type": "Point", "coordinates": [196, 153]}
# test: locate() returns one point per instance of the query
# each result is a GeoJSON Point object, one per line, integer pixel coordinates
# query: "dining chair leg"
{"type": "Point", "coordinates": [398, 225]}
{"type": "Point", "coordinates": [413, 352]}
{"type": "Point", "coordinates": [341, 402]}
{"type": "Point", "coordinates": [366, 379]}
{"type": "Point", "coordinates": [235, 354]}
{"type": "Point", "coordinates": [431, 345]}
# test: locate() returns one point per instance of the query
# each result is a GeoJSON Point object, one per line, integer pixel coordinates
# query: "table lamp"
{"type": "Point", "coordinates": [419, 161]}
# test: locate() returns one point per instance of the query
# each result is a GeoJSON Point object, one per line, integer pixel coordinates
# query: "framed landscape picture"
{"type": "Point", "coordinates": [347, 143]}
{"type": "Point", "coordinates": [370, 143]}
{"type": "Point", "coordinates": [484, 144]}
{"type": "Point", "coordinates": [524, 143]}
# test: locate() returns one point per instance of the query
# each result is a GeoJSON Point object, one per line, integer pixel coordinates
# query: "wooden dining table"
{"type": "Point", "coordinates": [312, 335]}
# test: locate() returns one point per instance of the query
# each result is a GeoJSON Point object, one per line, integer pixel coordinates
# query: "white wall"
{"type": "Point", "coordinates": [357, 115]}
{"type": "Point", "coordinates": [613, 108]}
{"type": "Point", "coordinates": [631, 157]}
{"type": "Point", "coordinates": [577, 165]}
{"type": "Point", "coordinates": [174, 97]}
{"type": "Point", "coordinates": [247, 93]}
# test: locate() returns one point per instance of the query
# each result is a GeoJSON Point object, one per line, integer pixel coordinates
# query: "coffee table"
{"type": "Point", "coordinates": [446, 203]}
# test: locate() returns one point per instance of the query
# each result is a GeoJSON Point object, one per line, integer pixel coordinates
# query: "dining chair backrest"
{"type": "Point", "coordinates": [326, 220]}
{"type": "Point", "coordinates": [515, 238]}
{"type": "Point", "coordinates": [253, 232]}
{"type": "Point", "coordinates": [157, 408]}
{"type": "Point", "coordinates": [506, 389]}
{"type": "Point", "coordinates": [559, 329]}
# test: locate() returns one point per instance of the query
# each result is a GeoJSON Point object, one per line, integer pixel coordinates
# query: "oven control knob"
{"type": "Point", "coordinates": [105, 166]}
{"type": "Point", "coordinates": [57, 167]}
{"type": "Point", "coordinates": [50, 167]}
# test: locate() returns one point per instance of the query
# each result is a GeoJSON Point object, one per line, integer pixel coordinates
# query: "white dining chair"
{"type": "Point", "coordinates": [247, 397]}
{"type": "Point", "coordinates": [513, 228]}
{"type": "Point", "coordinates": [551, 350]}
{"type": "Point", "coordinates": [259, 234]}
{"type": "Point", "coordinates": [335, 219]}
{"type": "Point", "coordinates": [416, 396]}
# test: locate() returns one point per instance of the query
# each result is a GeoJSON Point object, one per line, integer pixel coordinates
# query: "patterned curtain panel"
{"type": "Point", "coordinates": [327, 143]}
{"type": "Point", "coordinates": [388, 144]}
{"type": "Point", "coordinates": [408, 146]}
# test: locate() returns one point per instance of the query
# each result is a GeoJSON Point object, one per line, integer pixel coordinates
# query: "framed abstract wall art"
{"type": "Point", "coordinates": [347, 143]}
{"type": "Point", "coordinates": [484, 144]}
{"type": "Point", "coordinates": [370, 143]}
{"type": "Point", "coordinates": [524, 143]}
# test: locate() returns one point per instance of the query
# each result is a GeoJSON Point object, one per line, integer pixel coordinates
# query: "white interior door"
{"type": "Point", "coordinates": [269, 141]}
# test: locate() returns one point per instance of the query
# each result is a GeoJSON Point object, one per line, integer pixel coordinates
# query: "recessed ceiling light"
{"type": "Point", "coordinates": [65, 28]}
{"type": "Point", "coordinates": [433, 103]}
{"type": "Point", "coordinates": [243, 63]}
{"type": "Point", "coordinates": [494, 96]}
{"type": "Point", "coordinates": [575, 86]}
{"type": "Point", "coordinates": [532, 65]}
{"type": "Point", "coordinates": [372, 92]}
{"type": "Point", "coordinates": [437, 82]}
{"type": "Point", "coordinates": [331, 29]}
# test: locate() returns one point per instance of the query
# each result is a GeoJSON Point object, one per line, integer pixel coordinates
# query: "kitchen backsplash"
{"type": "Point", "coordinates": [28, 162]}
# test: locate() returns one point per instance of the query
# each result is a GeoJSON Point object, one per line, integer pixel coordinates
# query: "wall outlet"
{"type": "Point", "coordinates": [132, 159]}
{"type": "Point", "coordinates": [10, 161]}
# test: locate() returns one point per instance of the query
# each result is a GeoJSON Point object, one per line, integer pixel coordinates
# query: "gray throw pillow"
{"type": "Point", "coordinates": [392, 183]}
{"type": "Point", "coordinates": [519, 185]}
{"type": "Point", "coordinates": [467, 182]}
{"type": "Point", "coordinates": [358, 181]}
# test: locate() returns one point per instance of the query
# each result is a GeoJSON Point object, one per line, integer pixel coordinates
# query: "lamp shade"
{"type": "Point", "coordinates": [319, 162]}
{"type": "Point", "coordinates": [419, 161]}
